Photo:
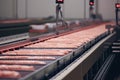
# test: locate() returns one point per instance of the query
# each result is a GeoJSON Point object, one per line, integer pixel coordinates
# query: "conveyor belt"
{"type": "Point", "coordinates": [50, 56]}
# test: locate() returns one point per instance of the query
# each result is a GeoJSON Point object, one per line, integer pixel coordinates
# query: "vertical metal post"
{"type": "Point", "coordinates": [26, 9]}
{"type": "Point", "coordinates": [58, 10]}
{"type": "Point", "coordinates": [57, 13]}
{"type": "Point", "coordinates": [91, 11]}
{"type": "Point", "coordinates": [97, 6]}
{"type": "Point", "coordinates": [15, 13]}
{"type": "Point", "coordinates": [84, 9]}
{"type": "Point", "coordinates": [16, 9]}
{"type": "Point", "coordinates": [116, 11]}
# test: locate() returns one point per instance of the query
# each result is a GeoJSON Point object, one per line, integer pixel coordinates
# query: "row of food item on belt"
{"type": "Point", "coordinates": [73, 40]}
{"type": "Point", "coordinates": [63, 43]}
{"type": "Point", "coordinates": [28, 57]}
{"type": "Point", "coordinates": [12, 71]}
{"type": "Point", "coordinates": [40, 52]}
{"type": "Point", "coordinates": [12, 62]}
{"type": "Point", "coordinates": [10, 65]}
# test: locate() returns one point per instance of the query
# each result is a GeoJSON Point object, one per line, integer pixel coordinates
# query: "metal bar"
{"type": "Point", "coordinates": [26, 9]}
{"type": "Point", "coordinates": [116, 11]}
{"type": "Point", "coordinates": [104, 69]}
{"type": "Point", "coordinates": [84, 9]}
{"type": "Point", "coordinates": [16, 9]}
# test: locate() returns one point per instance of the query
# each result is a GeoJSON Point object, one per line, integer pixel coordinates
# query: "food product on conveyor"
{"type": "Point", "coordinates": [73, 40]}
{"type": "Point", "coordinates": [27, 57]}
{"type": "Point", "coordinates": [22, 62]}
{"type": "Point", "coordinates": [38, 55]}
{"type": "Point", "coordinates": [9, 74]}
{"type": "Point", "coordinates": [17, 67]}
{"type": "Point", "coordinates": [39, 52]}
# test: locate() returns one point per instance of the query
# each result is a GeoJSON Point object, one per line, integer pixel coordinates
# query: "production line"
{"type": "Point", "coordinates": [46, 58]}
{"type": "Point", "coordinates": [50, 40]}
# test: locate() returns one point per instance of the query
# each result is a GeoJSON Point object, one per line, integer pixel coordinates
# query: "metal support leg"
{"type": "Point", "coordinates": [116, 16]}
{"type": "Point", "coordinates": [57, 13]}
{"type": "Point", "coordinates": [58, 10]}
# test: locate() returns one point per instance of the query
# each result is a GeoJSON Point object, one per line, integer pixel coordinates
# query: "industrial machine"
{"type": "Point", "coordinates": [79, 52]}
{"type": "Point", "coordinates": [52, 56]}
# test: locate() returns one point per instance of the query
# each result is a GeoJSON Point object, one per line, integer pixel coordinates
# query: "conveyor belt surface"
{"type": "Point", "coordinates": [39, 56]}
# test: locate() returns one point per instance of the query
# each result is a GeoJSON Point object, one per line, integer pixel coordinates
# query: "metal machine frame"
{"type": "Point", "coordinates": [59, 10]}
{"type": "Point", "coordinates": [117, 5]}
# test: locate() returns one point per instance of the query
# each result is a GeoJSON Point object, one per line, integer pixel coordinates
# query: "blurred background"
{"type": "Point", "coordinates": [72, 9]}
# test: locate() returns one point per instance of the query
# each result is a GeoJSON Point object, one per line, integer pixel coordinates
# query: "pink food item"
{"type": "Point", "coordinates": [21, 62]}
{"type": "Point", "coordinates": [27, 57]}
{"type": "Point", "coordinates": [40, 52]}
{"type": "Point", "coordinates": [17, 67]}
{"type": "Point", "coordinates": [9, 74]}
